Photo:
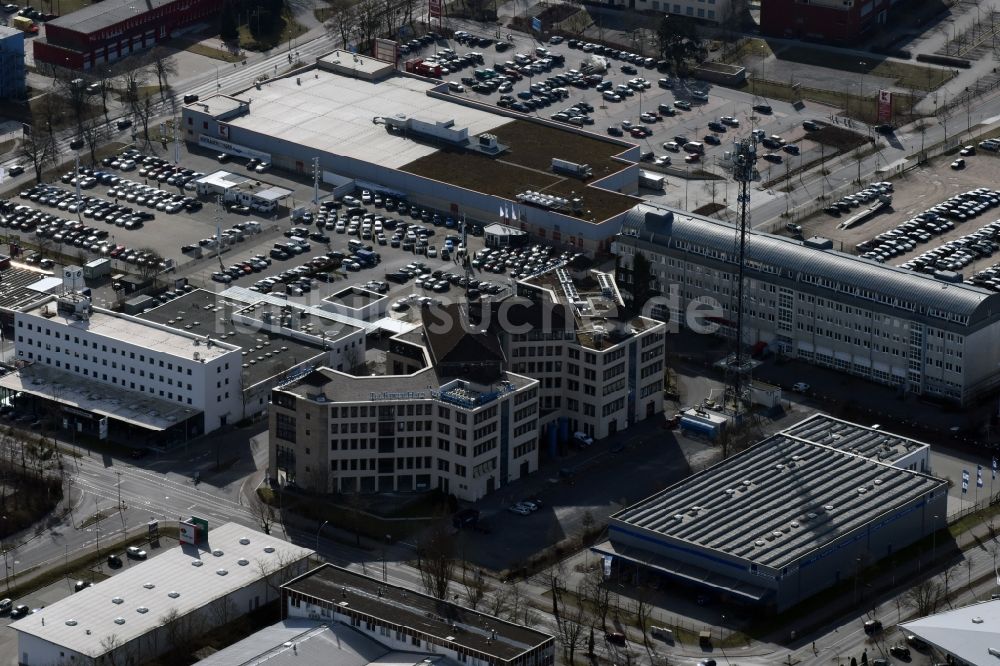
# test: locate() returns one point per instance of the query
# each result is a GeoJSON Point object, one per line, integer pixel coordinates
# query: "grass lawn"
{"type": "Point", "coordinates": [209, 52]}
{"type": "Point", "coordinates": [904, 74]}
{"type": "Point", "coordinates": [858, 108]}
{"type": "Point", "coordinates": [274, 34]}
{"type": "Point", "coordinates": [751, 48]}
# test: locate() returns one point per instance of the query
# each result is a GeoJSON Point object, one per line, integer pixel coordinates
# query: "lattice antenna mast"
{"type": "Point", "coordinates": [744, 170]}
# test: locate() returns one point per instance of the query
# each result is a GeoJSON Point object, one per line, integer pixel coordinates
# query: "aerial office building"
{"type": "Point", "coordinates": [805, 509]}
{"type": "Point", "coordinates": [924, 335]}
{"type": "Point", "coordinates": [470, 397]}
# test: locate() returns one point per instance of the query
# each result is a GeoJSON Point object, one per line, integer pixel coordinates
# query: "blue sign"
{"type": "Point", "coordinates": [536, 24]}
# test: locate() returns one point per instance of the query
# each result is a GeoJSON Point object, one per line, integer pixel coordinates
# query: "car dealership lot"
{"type": "Point", "coordinates": [923, 189]}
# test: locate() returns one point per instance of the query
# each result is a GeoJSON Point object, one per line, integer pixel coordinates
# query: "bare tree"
{"type": "Point", "coordinates": [597, 595]}
{"type": "Point", "coordinates": [177, 628]}
{"type": "Point", "coordinates": [262, 512]}
{"type": "Point", "coordinates": [570, 629]}
{"type": "Point", "coordinates": [497, 602]}
{"type": "Point", "coordinates": [223, 611]}
{"type": "Point", "coordinates": [643, 610]}
{"type": "Point", "coordinates": [164, 67]}
{"type": "Point", "coordinates": [436, 560]}
{"type": "Point", "coordinates": [37, 147]}
{"type": "Point", "coordinates": [475, 586]}
{"type": "Point", "coordinates": [151, 266]}
{"type": "Point", "coordinates": [275, 572]}
{"type": "Point", "coordinates": [144, 111]}
{"type": "Point", "coordinates": [969, 563]}
{"type": "Point", "coordinates": [342, 22]}
{"type": "Point", "coordinates": [924, 597]}
{"type": "Point", "coordinates": [946, 575]}
{"type": "Point", "coordinates": [92, 136]}
{"type": "Point", "coordinates": [112, 656]}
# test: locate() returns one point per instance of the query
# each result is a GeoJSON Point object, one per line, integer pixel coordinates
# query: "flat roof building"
{"type": "Point", "coordinates": [104, 32]}
{"type": "Point", "coordinates": [799, 512]}
{"type": "Point", "coordinates": [130, 617]}
{"type": "Point", "coordinates": [807, 301]}
{"type": "Point", "coordinates": [405, 135]}
{"type": "Point", "coordinates": [965, 636]}
{"type": "Point", "coordinates": [468, 400]}
{"type": "Point", "coordinates": [407, 620]}
{"type": "Point", "coordinates": [174, 371]}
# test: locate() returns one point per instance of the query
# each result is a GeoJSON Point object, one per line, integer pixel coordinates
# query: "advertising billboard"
{"type": "Point", "coordinates": [884, 106]}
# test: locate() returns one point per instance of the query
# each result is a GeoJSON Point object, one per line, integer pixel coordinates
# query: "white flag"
{"type": "Point", "coordinates": [502, 213]}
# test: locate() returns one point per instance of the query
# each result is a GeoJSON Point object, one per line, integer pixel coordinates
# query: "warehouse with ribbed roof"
{"type": "Point", "coordinates": [799, 512]}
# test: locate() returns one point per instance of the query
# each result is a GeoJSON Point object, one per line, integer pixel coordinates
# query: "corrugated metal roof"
{"type": "Point", "coordinates": [780, 500]}
{"type": "Point", "coordinates": [657, 226]}
{"type": "Point", "coordinates": [105, 14]}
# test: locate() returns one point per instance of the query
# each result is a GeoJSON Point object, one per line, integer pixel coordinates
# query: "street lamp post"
{"type": "Point", "coordinates": [324, 524]}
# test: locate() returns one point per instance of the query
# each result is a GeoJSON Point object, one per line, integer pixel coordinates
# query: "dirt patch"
{"type": "Point", "coordinates": [838, 137]}
{"type": "Point", "coordinates": [709, 209]}
{"type": "Point", "coordinates": [556, 13]}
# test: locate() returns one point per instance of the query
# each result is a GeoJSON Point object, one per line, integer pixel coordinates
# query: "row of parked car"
{"type": "Point", "coordinates": [850, 201]}
{"type": "Point", "coordinates": [72, 232]}
{"type": "Point", "coordinates": [954, 255]}
{"type": "Point", "coordinates": [90, 207]}
{"type": "Point", "coordinates": [521, 263]}
{"type": "Point", "coordinates": [958, 253]}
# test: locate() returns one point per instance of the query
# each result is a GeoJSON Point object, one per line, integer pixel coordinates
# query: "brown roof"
{"type": "Point", "coordinates": [452, 338]}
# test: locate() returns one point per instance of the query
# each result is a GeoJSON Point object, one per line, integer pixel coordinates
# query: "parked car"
{"type": "Point", "coordinates": [800, 387]}
{"type": "Point", "coordinates": [582, 439]}
{"type": "Point", "coordinates": [135, 553]}
{"type": "Point", "coordinates": [616, 638]}
{"type": "Point", "coordinates": [19, 611]}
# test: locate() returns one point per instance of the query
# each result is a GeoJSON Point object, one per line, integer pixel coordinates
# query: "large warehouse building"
{"type": "Point", "coordinates": [373, 128]}
{"type": "Point", "coordinates": [807, 301]}
{"type": "Point", "coordinates": [806, 509]}
{"type": "Point", "coordinates": [157, 606]}
{"type": "Point", "coordinates": [101, 33]}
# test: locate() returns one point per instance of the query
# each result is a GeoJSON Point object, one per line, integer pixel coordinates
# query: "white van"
{"type": "Point", "coordinates": [662, 633]}
{"type": "Point", "coordinates": [694, 147]}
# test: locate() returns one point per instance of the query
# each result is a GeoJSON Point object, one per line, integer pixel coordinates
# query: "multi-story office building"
{"type": "Point", "coordinates": [599, 370]}
{"type": "Point", "coordinates": [140, 374]}
{"type": "Point", "coordinates": [12, 72]}
{"type": "Point", "coordinates": [453, 419]}
{"type": "Point", "coordinates": [925, 335]}
{"type": "Point", "coordinates": [472, 393]}
{"type": "Point", "coordinates": [174, 372]}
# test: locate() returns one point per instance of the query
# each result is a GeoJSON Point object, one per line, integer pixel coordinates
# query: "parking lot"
{"type": "Point", "coordinates": [631, 98]}
{"type": "Point", "coordinates": [941, 218]}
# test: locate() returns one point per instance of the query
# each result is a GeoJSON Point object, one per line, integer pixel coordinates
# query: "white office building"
{"type": "Point", "coordinates": [925, 335]}
{"type": "Point", "coordinates": [471, 397]}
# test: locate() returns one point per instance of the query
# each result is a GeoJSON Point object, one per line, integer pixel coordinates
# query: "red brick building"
{"type": "Point", "coordinates": [836, 21]}
{"type": "Point", "coordinates": [105, 32]}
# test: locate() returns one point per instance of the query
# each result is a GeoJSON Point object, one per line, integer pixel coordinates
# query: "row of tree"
{"type": "Point", "coordinates": [360, 23]}
{"type": "Point", "coordinates": [71, 95]}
